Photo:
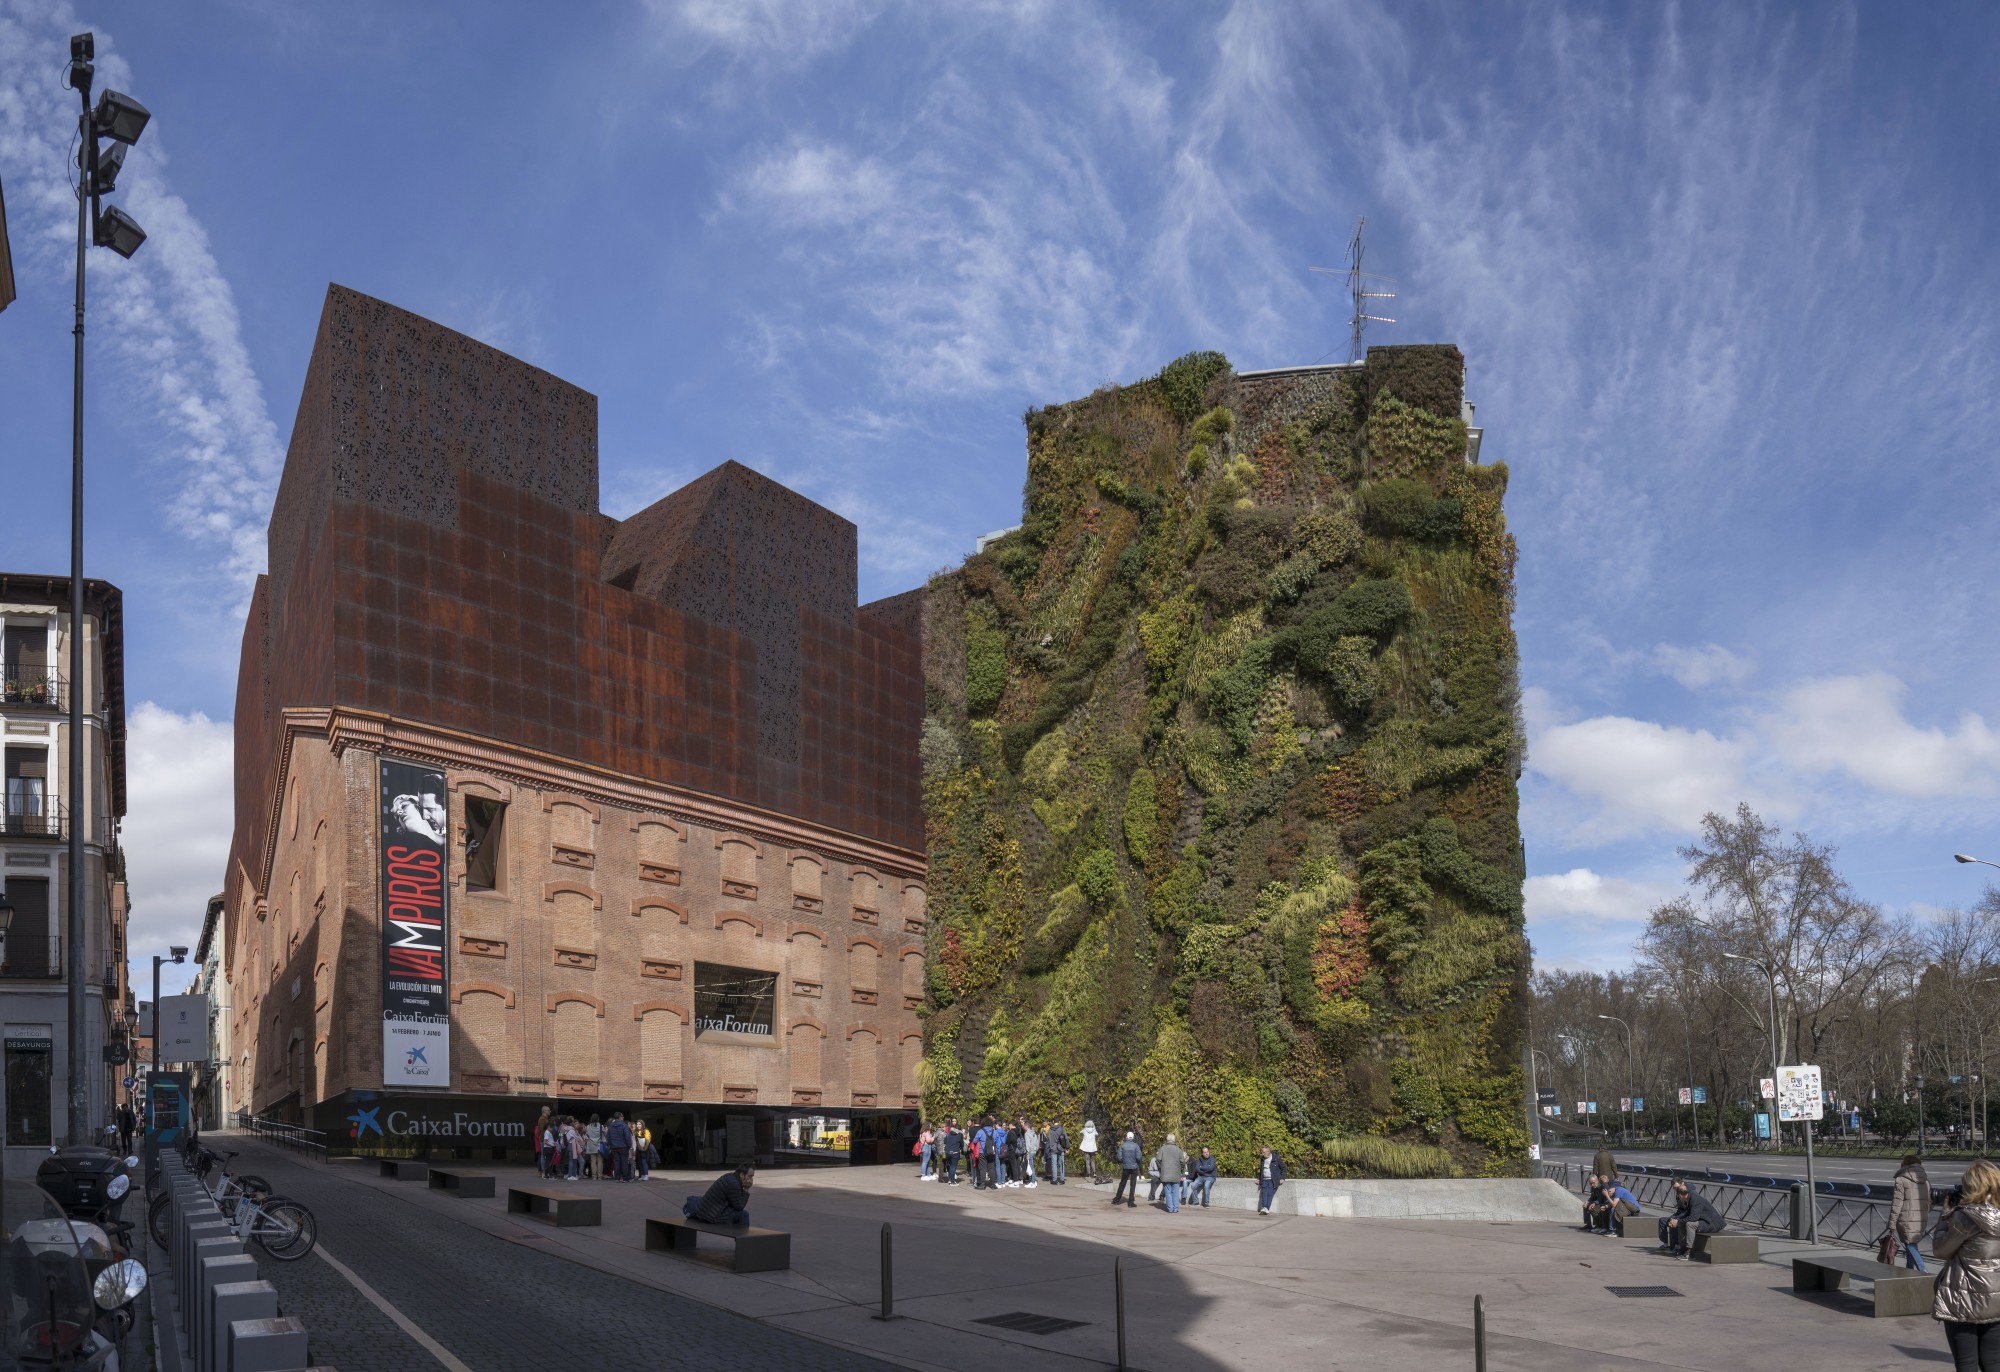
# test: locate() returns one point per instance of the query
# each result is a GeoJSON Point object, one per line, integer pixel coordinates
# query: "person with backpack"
{"type": "Point", "coordinates": [618, 1138]}
{"type": "Point", "coordinates": [1056, 1139]}
{"type": "Point", "coordinates": [1128, 1171]}
{"type": "Point", "coordinates": [1089, 1147]}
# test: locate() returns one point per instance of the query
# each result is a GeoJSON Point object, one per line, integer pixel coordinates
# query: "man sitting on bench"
{"type": "Point", "coordinates": [727, 1200]}
{"type": "Point", "coordinates": [1692, 1215]}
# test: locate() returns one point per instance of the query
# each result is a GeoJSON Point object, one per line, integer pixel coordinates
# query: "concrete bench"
{"type": "Point", "coordinates": [757, 1250]}
{"type": "Point", "coordinates": [462, 1183]}
{"type": "Point", "coordinates": [1726, 1248]}
{"type": "Point", "coordinates": [404, 1169]}
{"type": "Point", "coordinates": [1898, 1290]}
{"type": "Point", "coordinates": [565, 1209]}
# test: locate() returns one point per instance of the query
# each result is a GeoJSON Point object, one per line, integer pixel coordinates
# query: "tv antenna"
{"type": "Point", "coordinates": [1358, 283]}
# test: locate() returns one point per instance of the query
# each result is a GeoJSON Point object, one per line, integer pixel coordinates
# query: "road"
{"type": "Point", "coordinates": [1942, 1172]}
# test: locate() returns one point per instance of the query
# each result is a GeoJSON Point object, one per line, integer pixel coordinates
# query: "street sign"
{"type": "Point", "coordinates": [1764, 1085]}
{"type": "Point", "coordinates": [1800, 1095]}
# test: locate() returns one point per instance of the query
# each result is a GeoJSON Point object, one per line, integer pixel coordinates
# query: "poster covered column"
{"type": "Point", "coordinates": [416, 1000]}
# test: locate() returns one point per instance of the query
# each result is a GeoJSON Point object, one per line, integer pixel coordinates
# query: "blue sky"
{"type": "Point", "coordinates": [1721, 275]}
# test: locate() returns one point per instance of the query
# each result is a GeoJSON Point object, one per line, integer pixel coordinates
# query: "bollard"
{"type": "Point", "coordinates": [888, 1280]}
{"type": "Point", "coordinates": [215, 1272]}
{"type": "Point", "coordinates": [1479, 1333]}
{"type": "Point", "coordinates": [1118, 1284]}
{"type": "Point", "coordinates": [269, 1345]}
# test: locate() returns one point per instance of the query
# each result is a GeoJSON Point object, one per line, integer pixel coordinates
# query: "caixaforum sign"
{"type": "Point", "coordinates": [416, 996]}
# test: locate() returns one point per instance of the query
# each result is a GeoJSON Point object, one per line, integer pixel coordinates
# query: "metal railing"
{"type": "Point", "coordinates": [1849, 1212]}
{"type": "Point", "coordinates": [36, 686]}
{"type": "Point", "coordinates": [31, 955]}
{"type": "Point", "coordinates": [284, 1133]}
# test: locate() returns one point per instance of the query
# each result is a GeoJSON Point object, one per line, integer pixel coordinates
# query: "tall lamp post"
{"type": "Point", "coordinates": [121, 119]}
{"type": "Point", "coordinates": [1772, 977]}
{"type": "Point", "coordinates": [1629, 1074]}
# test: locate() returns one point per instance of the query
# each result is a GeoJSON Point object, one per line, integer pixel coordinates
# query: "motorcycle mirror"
{"type": "Point", "coordinates": [119, 1284]}
{"type": "Point", "coordinates": [118, 1186]}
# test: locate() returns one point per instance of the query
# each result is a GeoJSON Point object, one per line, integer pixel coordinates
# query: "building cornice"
{"type": "Point", "coordinates": [375, 732]}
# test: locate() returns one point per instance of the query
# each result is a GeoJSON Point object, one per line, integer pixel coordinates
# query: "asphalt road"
{"type": "Point", "coordinates": [1942, 1172]}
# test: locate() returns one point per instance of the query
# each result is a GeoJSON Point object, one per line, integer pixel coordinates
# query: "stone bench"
{"type": "Point", "coordinates": [565, 1209]}
{"type": "Point", "coordinates": [1898, 1290]}
{"type": "Point", "coordinates": [460, 1182]}
{"type": "Point", "coordinates": [1726, 1248]}
{"type": "Point", "coordinates": [404, 1169]}
{"type": "Point", "coordinates": [757, 1250]}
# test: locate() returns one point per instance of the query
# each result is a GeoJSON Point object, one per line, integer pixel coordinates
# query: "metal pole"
{"type": "Point", "coordinates": [74, 790]}
{"type": "Point", "coordinates": [1479, 1333]}
{"type": "Point", "coordinates": [888, 1280]}
{"type": "Point", "coordinates": [1118, 1283]}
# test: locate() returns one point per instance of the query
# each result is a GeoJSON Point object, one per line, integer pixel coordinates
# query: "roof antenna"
{"type": "Point", "coordinates": [1358, 282]}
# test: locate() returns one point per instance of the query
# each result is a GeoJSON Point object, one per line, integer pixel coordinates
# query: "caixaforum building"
{"type": "Point", "coordinates": [534, 805]}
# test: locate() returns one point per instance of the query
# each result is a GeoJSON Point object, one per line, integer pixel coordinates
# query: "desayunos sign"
{"type": "Point", "coordinates": [416, 1003]}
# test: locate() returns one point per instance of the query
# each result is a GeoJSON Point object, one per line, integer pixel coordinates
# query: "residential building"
{"type": "Point", "coordinates": [41, 802]}
{"type": "Point", "coordinates": [536, 806]}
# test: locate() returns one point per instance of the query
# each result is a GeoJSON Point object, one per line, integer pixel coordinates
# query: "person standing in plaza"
{"type": "Point", "coordinates": [1966, 1297]}
{"type": "Point", "coordinates": [1202, 1182]}
{"type": "Point", "coordinates": [1056, 1138]}
{"type": "Point", "coordinates": [1128, 1172]}
{"type": "Point", "coordinates": [1172, 1163]}
{"type": "Point", "coordinates": [1910, 1209]}
{"type": "Point", "coordinates": [1089, 1147]}
{"type": "Point", "coordinates": [1270, 1176]}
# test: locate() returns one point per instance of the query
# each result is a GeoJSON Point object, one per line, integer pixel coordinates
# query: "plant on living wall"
{"type": "Point", "coordinates": [1220, 777]}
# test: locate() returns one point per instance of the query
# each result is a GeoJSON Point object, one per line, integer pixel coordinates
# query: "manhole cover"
{"type": "Point", "coordinates": [1625, 1291]}
{"type": "Point", "coordinates": [1023, 1322]}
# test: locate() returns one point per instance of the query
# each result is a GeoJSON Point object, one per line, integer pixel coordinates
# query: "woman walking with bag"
{"type": "Point", "coordinates": [1967, 1299]}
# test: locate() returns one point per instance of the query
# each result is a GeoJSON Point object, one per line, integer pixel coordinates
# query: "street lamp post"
{"type": "Point", "coordinates": [1772, 976]}
{"type": "Point", "coordinates": [120, 118]}
{"type": "Point", "coordinates": [1630, 1085]}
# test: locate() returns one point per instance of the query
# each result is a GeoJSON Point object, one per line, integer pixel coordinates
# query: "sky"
{"type": "Point", "coordinates": [1721, 275]}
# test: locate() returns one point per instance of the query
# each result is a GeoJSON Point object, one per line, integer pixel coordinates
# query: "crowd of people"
{"type": "Point", "coordinates": [998, 1154]}
{"type": "Point", "coordinates": [567, 1149]}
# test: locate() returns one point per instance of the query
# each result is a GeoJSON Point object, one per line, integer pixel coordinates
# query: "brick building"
{"type": "Point", "coordinates": [666, 767]}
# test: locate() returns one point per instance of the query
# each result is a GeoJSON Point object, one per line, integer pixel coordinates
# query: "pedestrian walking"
{"type": "Point", "coordinates": [1909, 1212]}
{"type": "Point", "coordinates": [1089, 1149]}
{"type": "Point", "coordinates": [1172, 1165]}
{"type": "Point", "coordinates": [1056, 1139]}
{"type": "Point", "coordinates": [1202, 1179]}
{"type": "Point", "coordinates": [1966, 1298]}
{"type": "Point", "coordinates": [1128, 1172]}
{"type": "Point", "coordinates": [1270, 1176]}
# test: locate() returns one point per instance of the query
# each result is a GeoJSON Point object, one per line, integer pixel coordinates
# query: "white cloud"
{"type": "Point", "coordinates": [1855, 725]}
{"type": "Point", "coordinates": [1698, 669]}
{"type": "Point", "coordinates": [180, 807]}
{"type": "Point", "coordinates": [1637, 777]}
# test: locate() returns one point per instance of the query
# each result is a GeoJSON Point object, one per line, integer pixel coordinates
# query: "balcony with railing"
{"type": "Point", "coordinates": [34, 688]}
{"type": "Point", "coordinates": [34, 816]}
{"type": "Point", "coordinates": [31, 955]}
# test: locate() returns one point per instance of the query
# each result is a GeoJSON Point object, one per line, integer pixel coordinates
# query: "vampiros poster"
{"type": "Point", "coordinates": [416, 1026]}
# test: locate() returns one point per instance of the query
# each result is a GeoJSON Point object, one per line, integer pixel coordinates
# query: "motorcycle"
{"type": "Point", "coordinates": [65, 1295]}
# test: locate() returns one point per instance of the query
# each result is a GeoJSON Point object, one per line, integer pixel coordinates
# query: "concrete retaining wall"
{"type": "Point", "coordinates": [1483, 1198]}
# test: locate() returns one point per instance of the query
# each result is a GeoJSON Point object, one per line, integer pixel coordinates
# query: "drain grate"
{"type": "Point", "coordinates": [1630, 1291]}
{"type": "Point", "coordinates": [1024, 1323]}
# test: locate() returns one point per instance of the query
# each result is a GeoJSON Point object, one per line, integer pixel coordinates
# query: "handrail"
{"type": "Point", "coordinates": [284, 1133]}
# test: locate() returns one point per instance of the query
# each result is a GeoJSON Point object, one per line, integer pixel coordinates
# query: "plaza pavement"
{"type": "Point", "coordinates": [1204, 1290]}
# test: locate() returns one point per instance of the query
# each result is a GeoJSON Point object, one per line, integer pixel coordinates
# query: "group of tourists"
{"type": "Point", "coordinates": [1017, 1154]}
{"type": "Point", "coordinates": [569, 1150]}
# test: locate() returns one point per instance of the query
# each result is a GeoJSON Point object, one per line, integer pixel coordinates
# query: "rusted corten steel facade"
{"type": "Point", "coordinates": [696, 680]}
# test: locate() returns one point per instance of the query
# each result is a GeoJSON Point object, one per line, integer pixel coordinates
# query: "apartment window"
{"type": "Point", "coordinates": [30, 1099]}
{"type": "Point", "coordinates": [485, 828]}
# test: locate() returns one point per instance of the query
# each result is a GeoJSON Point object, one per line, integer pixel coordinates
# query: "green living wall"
{"type": "Point", "coordinates": [1220, 765]}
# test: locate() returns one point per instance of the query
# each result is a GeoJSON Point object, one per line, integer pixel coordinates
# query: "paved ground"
{"type": "Point", "coordinates": [1941, 1171]}
{"type": "Point", "coordinates": [1204, 1291]}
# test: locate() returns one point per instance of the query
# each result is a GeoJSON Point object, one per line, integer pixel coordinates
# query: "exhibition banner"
{"type": "Point", "coordinates": [416, 999]}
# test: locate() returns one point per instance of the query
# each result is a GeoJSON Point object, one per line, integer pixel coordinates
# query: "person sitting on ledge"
{"type": "Point", "coordinates": [1692, 1215]}
{"type": "Point", "coordinates": [727, 1200]}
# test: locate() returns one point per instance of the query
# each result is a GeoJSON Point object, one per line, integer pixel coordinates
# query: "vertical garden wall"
{"type": "Point", "coordinates": [1220, 766]}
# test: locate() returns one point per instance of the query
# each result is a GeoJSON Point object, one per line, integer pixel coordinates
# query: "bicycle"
{"type": "Point", "coordinates": [282, 1227]}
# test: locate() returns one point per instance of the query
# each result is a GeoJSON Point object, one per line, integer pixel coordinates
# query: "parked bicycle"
{"type": "Point", "coordinates": [282, 1227]}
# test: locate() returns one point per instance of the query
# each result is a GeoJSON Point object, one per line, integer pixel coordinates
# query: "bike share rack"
{"type": "Point", "coordinates": [229, 1318]}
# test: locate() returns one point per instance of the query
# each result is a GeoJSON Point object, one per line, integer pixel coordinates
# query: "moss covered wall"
{"type": "Point", "coordinates": [1220, 764]}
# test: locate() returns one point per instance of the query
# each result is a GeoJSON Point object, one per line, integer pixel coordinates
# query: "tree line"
{"type": "Point", "coordinates": [1894, 1009]}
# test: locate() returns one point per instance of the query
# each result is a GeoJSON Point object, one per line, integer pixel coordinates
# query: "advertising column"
{"type": "Point", "coordinates": [416, 1003]}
